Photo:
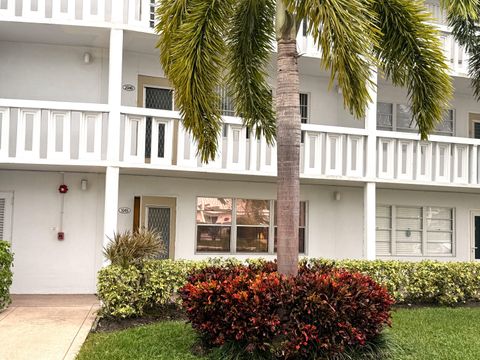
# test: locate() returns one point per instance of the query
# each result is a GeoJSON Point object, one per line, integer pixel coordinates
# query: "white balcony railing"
{"type": "Point", "coordinates": [52, 132]}
{"type": "Point", "coordinates": [137, 13]}
{"type": "Point", "coordinates": [57, 133]}
{"type": "Point", "coordinates": [441, 160]}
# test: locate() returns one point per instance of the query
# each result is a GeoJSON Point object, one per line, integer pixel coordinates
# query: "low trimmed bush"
{"type": "Point", "coordinates": [313, 315]}
{"type": "Point", "coordinates": [131, 291]}
{"type": "Point", "coordinates": [6, 261]}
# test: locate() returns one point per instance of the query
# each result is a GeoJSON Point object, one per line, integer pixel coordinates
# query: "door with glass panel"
{"type": "Point", "coordinates": [156, 98]}
{"type": "Point", "coordinates": [159, 216]}
{"type": "Point", "coordinates": [475, 235]}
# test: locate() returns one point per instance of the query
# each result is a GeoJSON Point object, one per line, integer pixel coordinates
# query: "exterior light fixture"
{"type": "Point", "coordinates": [84, 184]}
{"type": "Point", "coordinates": [87, 58]}
{"type": "Point", "coordinates": [337, 196]}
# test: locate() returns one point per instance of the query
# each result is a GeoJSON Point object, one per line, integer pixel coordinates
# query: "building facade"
{"type": "Point", "coordinates": [84, 103]}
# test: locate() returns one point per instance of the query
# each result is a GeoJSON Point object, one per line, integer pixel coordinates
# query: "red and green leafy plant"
{"type": "Point", "coordinates": [317, 313]}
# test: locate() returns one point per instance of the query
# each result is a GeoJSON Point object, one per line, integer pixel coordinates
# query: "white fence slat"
{"type": "Point", "coordinates": [167, 126]}
{"type": "Point", "coordinates": [28, 134]}
{"type": "Point", "coordinates": [56, 117]}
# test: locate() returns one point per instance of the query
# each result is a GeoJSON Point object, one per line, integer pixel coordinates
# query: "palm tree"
{"type": "Point", "coordinates": [208, 43]}
{"type": "Point", "coordinates": [463, 17]}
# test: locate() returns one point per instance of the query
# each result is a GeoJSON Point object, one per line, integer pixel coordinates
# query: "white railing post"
{"type": "Point", "coordinates": [29, 12]}
{"type": "Point", "coordinates": [236, 147]}
{"type": "Point", "coordinates": [369, 194]}
{"type": "Point", "coordinates": [28, 134]}
{"type": "Point", "coordinates": [58, 14]}
{"type": "Point", "coordinates": [167, 128]}
{"type": "Point", "coordinates": [473, 164]}
{"type": "Point", "coordinates": [58, 135]}
{"type": "Point", "coordinates": [114, 94]}
{"type": "Point", "coordinates": [112, 177]}
{"type": "Point", "coordinates": [9, 10]}
{"type": "Point", "coordinates": [187, 148]}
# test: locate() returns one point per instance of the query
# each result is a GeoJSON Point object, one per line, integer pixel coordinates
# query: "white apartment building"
{"type": "Point", "coordinates": [84, 103]}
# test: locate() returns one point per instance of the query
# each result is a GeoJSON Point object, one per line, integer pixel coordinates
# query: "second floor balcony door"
{"type": "Point", "coordinates": [156, 98]}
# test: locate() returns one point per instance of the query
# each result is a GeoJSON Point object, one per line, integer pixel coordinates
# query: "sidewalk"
{"type": "Point", "coordinates": [51, 327]}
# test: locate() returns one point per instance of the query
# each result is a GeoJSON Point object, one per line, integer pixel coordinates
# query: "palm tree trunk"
{"type": "Point", "coordinates": [288, 143]}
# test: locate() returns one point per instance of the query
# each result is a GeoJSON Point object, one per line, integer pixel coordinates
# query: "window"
{"type": "Point", "coordinates": [414, 231]}
{"type": "Point", "coordinates": [158, 98]}
{"type": "Point", "coordinates": [303, 112]}
{"type": "Point", "coordinates": [253, 223]}
{"type": "Point", "coordinates": [228, 225]}
{"type": "Point", "coordinates": [304, 108]}
{"type": "Point", "coordinates": [398, 117]}
{"type": "Point", "coordinates": [226, 102]}
{"type": "Point", "coordinates": [301, 227]}
{"type": "Point", "coordinates": [214, 224]}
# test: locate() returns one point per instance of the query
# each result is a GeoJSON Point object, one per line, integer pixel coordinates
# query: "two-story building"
{"type": "Point", "coordinates": [84, 103]}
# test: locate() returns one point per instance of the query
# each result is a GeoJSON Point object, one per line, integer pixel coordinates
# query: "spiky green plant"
{"type": "Point", "coordinates": [127, 248]}
{"type": "Point", "coordinates": [208, 43]}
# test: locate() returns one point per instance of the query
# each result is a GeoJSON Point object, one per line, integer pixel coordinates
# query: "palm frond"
{"type": "Point", "coordinates": [192, 44]}
{"type": "Point", "coordinates": [464, 23]}
{"type": "Point", "coordinates": [249, 41]}
{"type": "Point", "coordinates": [461, 8]}
{"type": "Point", "coordinates": [410, 55]}
{"type": "Point", "coordinates": [345, 33]}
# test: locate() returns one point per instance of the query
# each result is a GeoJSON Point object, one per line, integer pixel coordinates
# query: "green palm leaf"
{"type": "Point", "coordinates": [250, 44]}
{"type": "Point", "coordinates": [410, 55]}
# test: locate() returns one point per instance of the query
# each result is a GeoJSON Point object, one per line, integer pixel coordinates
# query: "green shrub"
{"type": "Point", "coordinates": [129, 248]}
{"type": "Point", "coordinates": [131, 291]}
{"type": "Point", "coordinates": [6, 260]}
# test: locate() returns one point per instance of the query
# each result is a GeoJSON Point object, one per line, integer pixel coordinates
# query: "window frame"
{"type": "Point", "coordinates": [234, 225]}
{"type": "Point", "coordinates": [395, 126]}
{"type": "Point", "coordinates": [424, 231]}
{"type": "Point", "coordinates": [145, 86]}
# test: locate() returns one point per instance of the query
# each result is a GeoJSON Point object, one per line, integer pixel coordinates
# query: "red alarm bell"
{"type": "Point", "coordinates": [63, 189]}
{"type": "Point", "coordinates": [60, 236]}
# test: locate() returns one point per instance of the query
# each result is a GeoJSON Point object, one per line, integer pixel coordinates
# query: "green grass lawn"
{"type": "Point", "coordinates": [417, 334]}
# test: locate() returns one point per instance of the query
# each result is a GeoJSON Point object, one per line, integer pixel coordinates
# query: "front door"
{"type": "Point", "coordinates": [159, 215]}
{"type": "Point", "coordinates": [476, 236]}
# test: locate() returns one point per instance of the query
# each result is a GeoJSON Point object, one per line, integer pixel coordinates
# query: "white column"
{"type": "Point", "coordinates": [114, 93]}
{"type": "Point", "coordinates": [111, 204]}
{"type": "Point", "coordinates": [369, 194]}
{"type": "Point", "coordinates": [369, 213]}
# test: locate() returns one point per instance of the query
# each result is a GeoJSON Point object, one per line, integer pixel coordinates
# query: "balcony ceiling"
{"type": "Point", "coordinates": [54, 34]}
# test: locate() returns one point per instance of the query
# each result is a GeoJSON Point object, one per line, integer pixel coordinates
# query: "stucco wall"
{"type": "Point", "coordinates": [335, 228]}
{"type": "Point", "coordinates": [42, 264]}
{"type": "Point", "coordinates": [52, 72]}
{"type": "Point", "coordinates": [463, 203]}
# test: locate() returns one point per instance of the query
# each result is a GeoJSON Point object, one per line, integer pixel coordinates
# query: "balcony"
{"type": "Point", "coordinates": [77, 134]}
{"type": "Point", "coordinates": [137, 14]}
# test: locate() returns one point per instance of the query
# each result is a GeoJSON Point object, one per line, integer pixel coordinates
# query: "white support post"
{"type": "Point", "coordinates": [369, 197]}
{"type": "Point", "coordinates": [115, 94]}
{"type": "Point", "coordinates": [369, 212]}
{"type": "Point", "coordinates": [112, 177]}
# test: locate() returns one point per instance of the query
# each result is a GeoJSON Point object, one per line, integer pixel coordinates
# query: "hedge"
{"type": "Point", "coordinates": [131, 291]}
{"type": "Point", "coordinates": [6, 260]}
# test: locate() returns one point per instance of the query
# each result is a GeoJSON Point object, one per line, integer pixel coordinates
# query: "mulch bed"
{"type": "Point", "coordinates": [165, 313]}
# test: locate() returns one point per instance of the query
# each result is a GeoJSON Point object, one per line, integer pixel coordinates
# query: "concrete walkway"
{"type": "Point", "coordinates": [50, 327]}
